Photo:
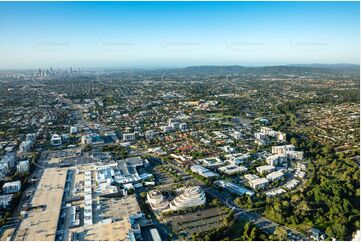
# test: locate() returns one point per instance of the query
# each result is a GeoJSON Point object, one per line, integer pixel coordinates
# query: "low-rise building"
{"type": "Point", "coordinates": [274, 176]}
{"type": "Point", "coordinates": [55, 140]}
{"type": "Point", "coordinates": [259, 183]}
{"type": "Point", "coordinates": [5, 200]}
{"type": "Point", "coordinates": [25, 146]}
{"type": "Point", "coordinates": [232, 169]}
{"type": "Point", "coordinates": [23, 166]}
{"type": "Point", "coordinates": [212, 161]}
{"type": "Point", "coordinates": [73, 130]}
{"type": "Point", "coordinates": [265, 169]}
{"type": "Point", "coordinates": [233, 188]}
{"type": "Point", "coordinates": [129, 137]}
{"type": "Point", "coordinates": [277, 159]}
{"type": "Point", "coordinates": [294, 155]}
{"type": "Point", "coordinates": [250, 177]}
{"type": "Point", "coordinates": [291, 184]}
{"type": "Point", "coordinates": [12, 187]}
{"type": "Point", "coordinates": [281, 149]}
{"type": "Point", "coordinates": [203, 171]}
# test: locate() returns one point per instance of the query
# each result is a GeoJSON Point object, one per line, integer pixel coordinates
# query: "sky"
{"type": "Point", "coordinates": [177, 34]}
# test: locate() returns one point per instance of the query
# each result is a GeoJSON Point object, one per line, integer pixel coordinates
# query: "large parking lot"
{"type": "Point", "coordinates": [194, 222]}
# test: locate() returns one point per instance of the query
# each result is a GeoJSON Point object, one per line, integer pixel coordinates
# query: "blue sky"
{"type": "Point", "coordinates": [175, 34]}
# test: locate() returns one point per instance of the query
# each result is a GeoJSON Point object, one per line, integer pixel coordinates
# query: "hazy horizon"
{"type": "Point", "coordinates": [176, 34]}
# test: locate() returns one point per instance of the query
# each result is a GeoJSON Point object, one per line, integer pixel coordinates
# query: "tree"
{"type": "Point", "coordinates": [253, 234]}
{"type": "Point", "coordinates": [280, 233]}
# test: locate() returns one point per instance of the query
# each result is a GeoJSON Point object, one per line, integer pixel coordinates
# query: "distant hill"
{"type": "Point", "coordinates": [289, 69]}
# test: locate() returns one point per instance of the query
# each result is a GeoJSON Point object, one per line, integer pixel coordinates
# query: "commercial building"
{"type": "Point", "coordinates": [55, 140]}
{"type": "Point", "coordinates": [73, 130]}
{"type": "Point", "coordinates": [12, 187]}
{"type": "Point", "coordinates": [129, 137]}
{"type": "Point", "coordinates": [233, 188]}
{"type": "Point", "coordinates": [259, 183]}
{"type": "Point", "coordinates": [211, 161]}
{"type": "Point", "coordinates": [156, 200]}
{"type": "Point", "coordinates": [203, 171]}
{"type": "Point", "coordinates": [41, 221]}
{"type": "Point", "coordinates": [183, 127]}
{"type": "Point", "coordinates": [191, 197]}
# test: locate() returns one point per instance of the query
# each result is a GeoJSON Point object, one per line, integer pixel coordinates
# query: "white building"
{"type": "Point", "coordinates": [236, 159]}
{"type": "Point", "coordinates": [149, 134]}
{"type": "Point", "coordinates": [86, 139]}
{"type": "Point", "coordinates": [73, 130]}
{"type": "Point", "coordinates": [266, 130]}
{"type": "Point", "coordinates": [23, 166]}
{"type": "Point", "coordinates": [250, 177]}
{"type": "Point", "coordinates": [259, 183]}
{"type": "Point", "coordinates": [9, 159]}
{"type": "Point", "coordinates": [129, 137]}
{"type": "Point", "coordinates": [281, 149]}
{"type": "Point", "coordinates": [25, 146]}
{"type": "Point", "coordinates": [276, 159]}
{"type": "Point", "coordinates": [31, 137]}
{"type": "Point", "coordinates": [55, 140]}
{"type": "Point", "coordinates": [12, 187]}
{"type": "Point", "coordinates": [281, 136]}
{"type": "Point", "coordinates": [259, 136]}
{"type": "Point", "coordinates": [234, 188]}
{"type": "Point", "coordinates": [167, 128]}
{"type": "Point", "coordinates": [156, 200]}
{"type": "Point", "coordinates": [5, 200]}
{"type": "Point", "coordinates": [274, 176]}
{"type": "Point", "coordinates": [183, 126]}
{"type": "Point", "coordinates": [275, 192]}
{"type": "Point", "coordinates": [232, 169]}
{"type": "Point", "coordinates": [212, 161]}
{"type": "Point", "coordinates": [265, 169]}
{"type": "Point", "coordinates": [295, 155]}
{"type": "Point", "coordinates": [191, 197]}
{"type": "Point", "coordinates": [237, 135]}
{"type": "Point", "coordinates": [291, 184]}
{"type": "Point", "coordinates": [4, 170]}
{"type": "Point", "coordinates": [203, 171]}
{"type": "Point", "coordinates": [155, 235]}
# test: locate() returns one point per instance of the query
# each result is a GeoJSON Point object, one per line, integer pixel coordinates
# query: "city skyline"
{"type": "Point", "coordinates": [177, 34]}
